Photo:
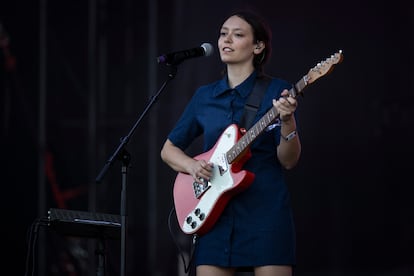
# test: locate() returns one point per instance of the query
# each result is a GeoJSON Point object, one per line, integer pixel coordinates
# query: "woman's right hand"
{"type": "Point", "coordinates": [200, 170]}
{"type": "Point", "coordinates": [179, 161]}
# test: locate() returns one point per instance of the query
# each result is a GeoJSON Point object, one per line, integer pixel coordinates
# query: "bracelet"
{"type": "Point", "coordinates": [290, 136]}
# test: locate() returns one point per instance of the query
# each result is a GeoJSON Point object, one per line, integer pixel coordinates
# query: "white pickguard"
{"type": "Point", "coordinates": [220, 182]}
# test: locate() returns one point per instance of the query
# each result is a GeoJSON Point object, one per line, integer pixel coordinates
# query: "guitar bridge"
{"type": "Point", "coordinates": [221, 163]}
{"type": "Point", "coordinates": [201, 188]}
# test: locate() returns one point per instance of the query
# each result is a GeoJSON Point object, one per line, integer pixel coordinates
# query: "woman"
{"type": "Point", "coordinates": [256, 230]}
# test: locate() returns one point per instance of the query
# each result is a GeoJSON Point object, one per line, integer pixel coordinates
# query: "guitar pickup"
{"type": "Point", "coordinates": [201, 188]}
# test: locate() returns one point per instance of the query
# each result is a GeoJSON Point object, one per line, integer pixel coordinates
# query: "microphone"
{"type": "Point", "coordinates": [206, 49]}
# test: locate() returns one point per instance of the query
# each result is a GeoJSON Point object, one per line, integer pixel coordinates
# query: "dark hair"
{"type": "Point", "coordinates": [261, 32]}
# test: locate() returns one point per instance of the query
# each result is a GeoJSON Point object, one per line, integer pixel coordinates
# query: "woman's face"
{"type": "Point", "coordinates": [236, 42]}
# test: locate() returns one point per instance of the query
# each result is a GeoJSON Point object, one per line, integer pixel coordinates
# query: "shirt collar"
{"type": "Point", "coordinates": [243, 89]}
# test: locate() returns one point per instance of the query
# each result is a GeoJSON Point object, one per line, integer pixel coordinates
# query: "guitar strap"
{"type": "Point", "coordinates": [253, 101]}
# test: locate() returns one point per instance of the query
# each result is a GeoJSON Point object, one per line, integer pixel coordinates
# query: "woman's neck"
{"type": "Point", "coordinates": [237, 74]}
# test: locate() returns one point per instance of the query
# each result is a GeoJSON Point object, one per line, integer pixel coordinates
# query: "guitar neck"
{"type": "Point", "coordinates": [299, 87]}
{"type": "Point", "coordinates": [247, 139]}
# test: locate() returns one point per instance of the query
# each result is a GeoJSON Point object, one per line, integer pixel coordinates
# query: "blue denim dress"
{"type": "Point", "coordinates": [256, 227]}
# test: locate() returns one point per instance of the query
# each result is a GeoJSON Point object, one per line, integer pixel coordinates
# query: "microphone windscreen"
{"type": "Point", "coordinates": [208, 49]}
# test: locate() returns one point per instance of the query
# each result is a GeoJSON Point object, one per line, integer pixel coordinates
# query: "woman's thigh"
{"type": "Point", "coordinates": [273, 270]}
{"type": "Point", "coordinates": [209, 270]}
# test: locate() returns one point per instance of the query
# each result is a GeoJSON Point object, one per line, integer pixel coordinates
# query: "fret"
{"type": "Point", "coordinates": [300, 85]}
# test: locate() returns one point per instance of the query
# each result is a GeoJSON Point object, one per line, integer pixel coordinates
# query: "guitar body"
{"type": "Point", "coordinates": [198, 206]}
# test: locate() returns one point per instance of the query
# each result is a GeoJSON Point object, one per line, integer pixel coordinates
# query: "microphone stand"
{"type": "Point", "coordinates": [122, 154]}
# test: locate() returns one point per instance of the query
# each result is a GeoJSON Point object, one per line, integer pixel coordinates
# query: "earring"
{"type": "Point", "coordinates": [262, 58]}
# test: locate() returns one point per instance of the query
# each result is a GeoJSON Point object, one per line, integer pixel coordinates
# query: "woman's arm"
{"type": "Point", "coordinates": [289, 149]}
{"type": "Point", "coordinates": [179, 161]}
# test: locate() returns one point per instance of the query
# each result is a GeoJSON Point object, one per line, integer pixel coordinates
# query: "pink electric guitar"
{"type": "Point", "coordinates": [198, 206]}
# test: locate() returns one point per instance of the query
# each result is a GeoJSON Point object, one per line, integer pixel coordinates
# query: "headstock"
{"type": "Point", "coordinates": [324, 67]}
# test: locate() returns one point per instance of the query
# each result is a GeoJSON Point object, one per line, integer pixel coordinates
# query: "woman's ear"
{"type": "Point", "coordinates": [259, 47]}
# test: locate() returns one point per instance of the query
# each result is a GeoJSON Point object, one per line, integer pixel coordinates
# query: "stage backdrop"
{"type": "Point", "coordinates": [79, 76]}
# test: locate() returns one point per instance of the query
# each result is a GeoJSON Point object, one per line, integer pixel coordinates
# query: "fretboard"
{"type": "Point", "coordinates": [247, 139]}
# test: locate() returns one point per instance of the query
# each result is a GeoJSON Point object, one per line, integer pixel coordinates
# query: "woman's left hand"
{"type": "Point", "coordinates": [285, 105]}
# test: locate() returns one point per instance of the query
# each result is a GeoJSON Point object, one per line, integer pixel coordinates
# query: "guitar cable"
{"type": "Point", "coordinates": [192, 247]}
{"type": "Point", "coordinates": [32, 236]}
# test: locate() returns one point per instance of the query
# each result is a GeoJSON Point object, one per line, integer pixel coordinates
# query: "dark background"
{"type": "Point", "coordinates": [75, 76]}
